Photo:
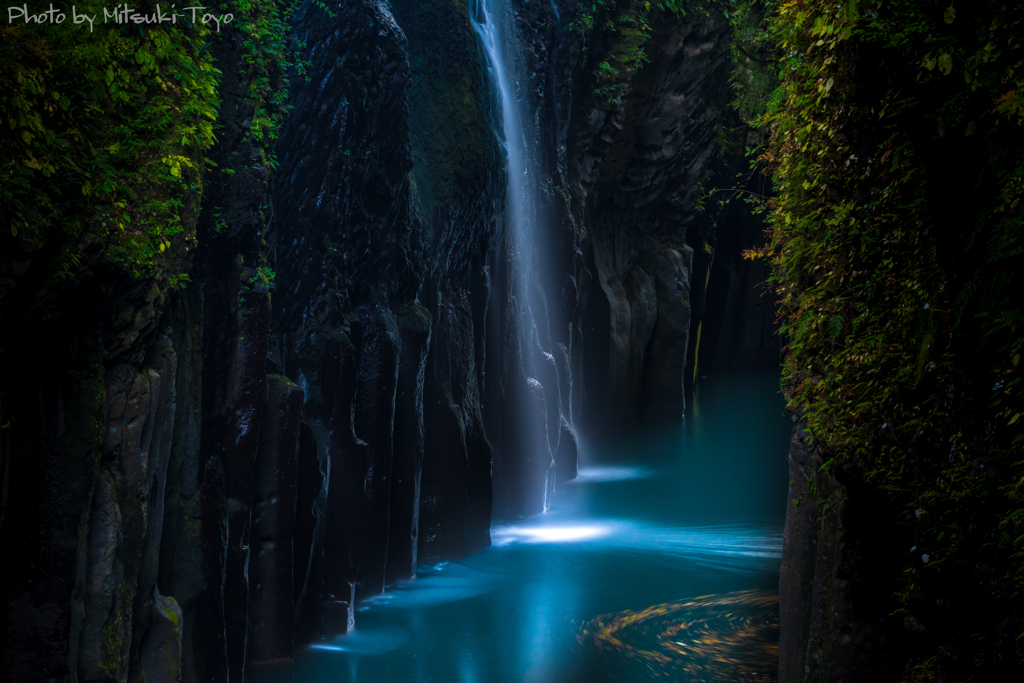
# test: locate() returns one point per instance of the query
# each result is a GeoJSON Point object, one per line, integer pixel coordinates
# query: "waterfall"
{"type": "Point", "coordinates": [492, 21]}
{"type": "Point", "coordinates": [492, 25]}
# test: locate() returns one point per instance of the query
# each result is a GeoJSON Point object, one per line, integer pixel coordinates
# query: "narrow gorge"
{"type": "Point", "coordinates": [337, 305]}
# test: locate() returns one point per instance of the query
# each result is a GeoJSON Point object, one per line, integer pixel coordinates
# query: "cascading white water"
{"type": "Point", "coordinates": [491, 20]}
{"type": "Point", "coordinates": [491, 23]}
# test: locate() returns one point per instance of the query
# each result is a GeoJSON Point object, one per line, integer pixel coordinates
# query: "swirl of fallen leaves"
{"type": "Point", "coordinates": [732, 637]}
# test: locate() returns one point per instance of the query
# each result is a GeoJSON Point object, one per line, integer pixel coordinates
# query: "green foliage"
{"type": "Point", "coordinates": [320, 4]}
{"type": "Point", "coordinates": [755, 56]}
{"type": "Point", "coordinates": [260, 281]}
{"type": "Point", "coordinates": [179, 280]}
{"type": "Point", "coordinates": [897, 151]}
{"type": "Point", "coordinates": [742, 133]}
{"type": "Point", "coordinates": [263, 276]}
{"type": "Point", "coordinates": [264, 27]}
{"type": "Point", "coordinates": [103, 133]}
{"type": "Point", "coordinates": [624, 28]}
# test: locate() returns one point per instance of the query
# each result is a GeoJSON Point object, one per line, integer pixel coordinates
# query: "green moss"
{"type": "Point", "coordinates": [116, 634]}
{"type": "Point", "coordinates": [449, 109]}
{"type": "Point", "coordinates": [170, 608]}
{"type": "Point", "coordinates": [450, 133]}
{"type": "Point", "coordinates": [172, 616]}
{"type": "Point", "coordinates": [283, 380]}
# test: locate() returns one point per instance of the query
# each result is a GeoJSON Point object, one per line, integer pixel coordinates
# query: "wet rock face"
{"type": "Point", "coordinates": [342, 189]}
{"type": "Point", "coordinates": [458, 190]}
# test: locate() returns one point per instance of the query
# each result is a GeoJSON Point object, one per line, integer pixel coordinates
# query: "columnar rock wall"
{"type": "Point", "coordinates": [640, 163]}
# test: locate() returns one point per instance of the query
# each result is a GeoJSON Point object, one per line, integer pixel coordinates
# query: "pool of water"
{"type": "Point", "coordinates": [659, 562]}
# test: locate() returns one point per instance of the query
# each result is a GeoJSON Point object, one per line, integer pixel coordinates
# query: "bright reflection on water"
{"type": "Point", "coordinates": [663, 513]}
{"type": "Point", "coordinates": [587, 474]}
{"type": "Point", "coordinates": [503, 535]}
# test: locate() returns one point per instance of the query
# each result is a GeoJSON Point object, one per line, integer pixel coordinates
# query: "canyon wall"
{"type": "Point", "coordinates": [361, 372]}
{"type": "Point", "coordinates": [899, 287]}
{"type": "Point", "coordinates": [639, 162]}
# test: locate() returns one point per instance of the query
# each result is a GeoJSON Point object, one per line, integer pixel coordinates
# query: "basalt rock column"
{"type": "Point", "coordinates": [312, 479]}
{"type": "Point", "coordinates": [87, 447]}
{"type": "Point", "coordinates": [407, 467]}
{"type": "Point", "coordinates": [271, 598]}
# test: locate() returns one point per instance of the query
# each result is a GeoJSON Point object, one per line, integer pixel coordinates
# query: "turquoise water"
{"type": "Point", "coordinates": [660, 514]}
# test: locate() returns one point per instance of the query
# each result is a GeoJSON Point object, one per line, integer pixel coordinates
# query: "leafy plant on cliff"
{"type": "Point", "coordinates": [103, 138]}
{"type": "Point", "coordinates": [105, 133]}
{"type": "Point", "coordinates": [897, 246]}
{"type": "Point", "coordinates": [620, 29]}
{"type": "Point", "coordinates": [755, 58]}
{"type": "Point", "coordinates": [265, 30]}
